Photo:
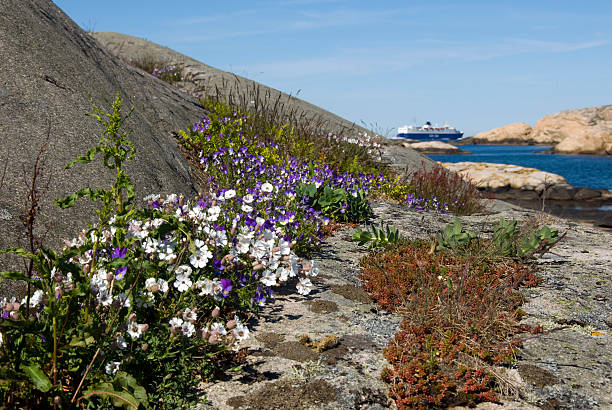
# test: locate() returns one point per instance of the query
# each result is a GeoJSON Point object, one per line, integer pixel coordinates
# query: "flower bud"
{"type": "Point", "coordinates": [110, 277]}
{"type": "Point", "coordinates": [57, 400]}
{"type": "Point", "coordinates": [132, 317]}
{"type": "Point", "coordinates": [215, 312]}
{"type": "Point", "coordinates": [144, 347]}
{"type": "Point", "coordinates": [205, 334]}
{"type": "Point", "coordinates": [230, 325]}
{"type": "Point", "coordinates": [144, 327]}
{"type": "Point", "coordinates": [214, 338]}
{"type": "Point", "coordinates": [14, 315]}
{"type": "Point", "coordinates": [16, 306]}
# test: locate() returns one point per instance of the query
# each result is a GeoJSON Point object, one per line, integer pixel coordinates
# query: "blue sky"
{"type": "Point", "coordinates": [475, 65]}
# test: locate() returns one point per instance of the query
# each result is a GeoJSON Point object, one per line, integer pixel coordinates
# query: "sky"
{"type": "Point", "coordinates": [475, 65]}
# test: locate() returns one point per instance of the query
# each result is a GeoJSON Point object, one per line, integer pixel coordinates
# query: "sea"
{"type": "Point", "coordinates": [579, 170]}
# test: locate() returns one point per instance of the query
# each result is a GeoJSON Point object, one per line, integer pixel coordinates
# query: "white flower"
{"type": "Point", "coordinates": [304, 286]}
{"type": "Point", "coordinates": [229, 194]}
{"type": "Point", "coordinates": [284, 247]}
{"type": "Point", "coordinates": [283, 274]}
{"type": "Point", "coordinates": [244, 243]}
{"type": "Point", "coordinates": [246, 208]}
{"type": "Point", "coordinates": [205, 286]}
{"type": "Point", "coordinates": [190, 315]}
{"type": "Point", "coordinates": [199, 244]}
{"type": "Point", "coordinates": [220, 238]}
{"type": "Point", "coordinates": [163, 285]}
{"type": "Point", "coordinates": [36, 298]}
{"type": "Point", "coordinates": [213, 213]}
{"type": "Point", "coordinates": [112, 367]}
{"type": "Point", "coordinates": [201, 257]}
{"type": "Point", "coordinates": [184, 270]}
{"type": "Point", "coordinates": [268, 278]}
{"type": "Point", "coordinates": [182, 283]}
{"type": "Point", "coordinates": [248, 198]}
{"type": "Point", "coordinates": [151, 245]}
{"type": "Point", "coordinates": [267, 187]}
{"type": "Point", "coordinates": [188, 329]}
{"type": "Point", "coordinates": [166, 252]}
{"type": "Point", "coordinates": [151, 284]}
{"type": "Point", "coordinates": [134, 330]}
{"type": "Point", "coordinates": [105, 298]}
{"type": "Point", "coordinates": [176, 322]}
{"type": "Point", "coordinates": [241, 332]}
{"type": "Point", "coordinates": [120, 342]}
{"type": "Point", "coordinates": [219, 328]}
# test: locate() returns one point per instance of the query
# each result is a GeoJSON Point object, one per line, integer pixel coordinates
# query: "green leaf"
{"type": "Point", "coordinates": [19, 252]}
{"type": "Point", "coordinates": [118, 398]}
{"type": "Point", "coordinates": [20, 276]}
{"type": "Point", "coordinates": [38, 377]}
{"type": "Point", "coordinates": [85, 159]}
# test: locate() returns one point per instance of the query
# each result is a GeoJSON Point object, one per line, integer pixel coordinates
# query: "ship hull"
{"type": "Point", "coordinates": [430, 136]}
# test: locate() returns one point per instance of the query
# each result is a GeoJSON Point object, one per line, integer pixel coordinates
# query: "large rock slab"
{"type": "Point", "coordinates": [494, 177]}
{"type": "Point", "coordinates": [583, 131]}
{"type": "Point", "coordinates": [514, 134]}
{"type": "Point", "coordinates": [434, 147]}
{"type": "Point", "coordinates": [48, 68]}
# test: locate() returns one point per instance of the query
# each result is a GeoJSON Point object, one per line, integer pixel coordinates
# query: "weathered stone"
{"type": "Point", "coordinates": [434, 147]}
{"type": "Point", "coordinates": [497, 177]}
{"type": "Point", "coordinates": [48, 68]}
{"type": "Point", "coordinates": [586, 193]}
{"type": "Point", "coordinates": [583, 131]}
{"type": "Point", "coordinates": [517, 133]}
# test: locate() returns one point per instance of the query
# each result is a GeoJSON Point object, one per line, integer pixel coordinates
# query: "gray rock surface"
{"type": "Point", "coordinates": [48, 68]}
{"type": "Point", "coordinates": [567, 366]}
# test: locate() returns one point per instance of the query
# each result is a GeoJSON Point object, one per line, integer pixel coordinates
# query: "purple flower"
{"type": "Point", "coordinates": [119, 252]}
{"type": "Point", "coordinates": [226, 285]}
{"type": "Point", "coordinates": [120, 273]}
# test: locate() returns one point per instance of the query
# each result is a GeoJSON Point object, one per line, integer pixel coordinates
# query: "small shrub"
{"type": "Point", "coordinates": [460, 312]}
{"type": "Point", "coordinates": [446, 188]}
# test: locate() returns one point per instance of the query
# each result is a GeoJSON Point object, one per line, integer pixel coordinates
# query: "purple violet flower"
{"type": "Point", "coordinates": [226, 285]}
{"type": "Point", "coordinates": [119, 252]}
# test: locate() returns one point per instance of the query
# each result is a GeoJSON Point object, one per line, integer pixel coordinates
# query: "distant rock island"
{"type": "Point", "coordinates": [582, 131]}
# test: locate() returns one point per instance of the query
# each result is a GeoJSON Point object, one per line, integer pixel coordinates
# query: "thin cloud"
{"type": "Point", "coordinates": [359, 61]}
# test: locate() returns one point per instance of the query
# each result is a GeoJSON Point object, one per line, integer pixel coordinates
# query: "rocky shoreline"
{"type": "Point", "coordinates": [586, 131]}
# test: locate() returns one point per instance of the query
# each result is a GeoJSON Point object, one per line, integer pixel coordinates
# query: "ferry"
{"type": "Point", "coordinates": [429, 133]}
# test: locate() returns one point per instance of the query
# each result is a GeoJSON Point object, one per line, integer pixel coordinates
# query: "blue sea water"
{"type": "Point", "coordinates": [579, 170]}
